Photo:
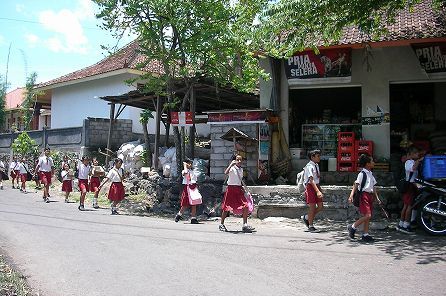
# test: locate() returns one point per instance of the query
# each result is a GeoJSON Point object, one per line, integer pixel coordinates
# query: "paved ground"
{"type": "Point", "coordinates": [66, 252]}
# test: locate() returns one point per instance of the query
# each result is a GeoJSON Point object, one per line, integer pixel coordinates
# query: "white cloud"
{"type": "Point", "coordinates": [66, 24]}
{"type": "Point", "coordinates": [32, 39]}
{"type": "Point", "coordinates": [19, 8]}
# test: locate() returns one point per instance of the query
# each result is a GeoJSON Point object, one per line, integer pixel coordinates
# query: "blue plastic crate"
{"type": "Point", "coordinates": [434, 167]}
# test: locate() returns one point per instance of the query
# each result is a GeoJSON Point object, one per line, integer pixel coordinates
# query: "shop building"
{"type": "Point", "coordinates": [391, 91]}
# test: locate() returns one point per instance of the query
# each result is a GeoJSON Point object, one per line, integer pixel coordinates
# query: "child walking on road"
{"type": "Point", "coordinates": [189, 181]}
{"type": "Point", "coordinates": [368, 195]}
{"type": "Point", "coordinates": [14, 172]}
{"type": "Point", "coordinates": [23, 168]}
{"type": "Point", "coordinates": [234, 199]}
{"type": "Point", "coordinates": [83, 174]}
{"type": "Point", "coordinates": [45, 170]}
{"type": "Point", "coordinates": [313, 193]}
{"type": "Point", "coordinates": [67, 180]}
{"type": "Point", "coordinates": [2, 174]}
{"type": "Point", "coordinates": [116, 193]}
{"type": "Point", "coordinates": [96, 173]}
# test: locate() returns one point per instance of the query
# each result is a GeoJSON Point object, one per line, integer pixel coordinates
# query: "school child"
{"type": "Point", "coordinates": [411, 165]}
{"type": "Point", "coordinates": [189, 180]}
{"type": "Point", "coordinates": [368, 195]}
{"type": "Point", "coordinates": [313, 192]}
{"type": "Point", "coordinates": [14, 172]}
{"type": "Point", "coordinates": [23, 168]}
{"type": "Point", "coordinates": [234, 199]}
{"type": "Point", "coordinates": [95, 180]}
{"type": "Point", "coordinates": [67, 180]}
{"type": "Point", "coordinates": [2, 173]}
{"type": "Point", "coordinates": [83, 169]}
{"type": "Point", "coordinates": [116, 193]}
{"type": "Point", "coordinates": [45, 170]}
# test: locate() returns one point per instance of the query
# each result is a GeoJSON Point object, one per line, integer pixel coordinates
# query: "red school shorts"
{"type": "Point", "coordinates": [410, 194]}
{"type": "Point", "coordinates": [15, 174]}
{"type": "Point", "coordinates": [67, 186]}
{"type": "Point", "coordinates": [45, 178]}
{"type": "Point", "coordinates": [94, 184]}
{"type": "Point", "coordinates": [83, 185]}
{"type": "Point", "coordinates": [311, 195]}
{"type": "Point", "coordinates": [366, 203]}
{"type": "Point", "coordinates": [23, 177]}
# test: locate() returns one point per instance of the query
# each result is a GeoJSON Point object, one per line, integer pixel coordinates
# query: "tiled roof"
{"type": "Point", "coordinates": [127, 57]}
{"type": "Point", "coordinates": [422, 23]}
{"type": "Point", "coordinates": [14, 99]}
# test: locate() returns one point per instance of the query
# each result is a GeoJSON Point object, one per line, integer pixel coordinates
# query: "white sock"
{"type": "Point", "coordinates": [95, 200]}
{"type": "Point", "coordinates": [311, 225]}
{"type": "Point", "coordinates": [193, 217]}
{"type": "Point", "coordinates": [401, 224]}
{"type": "Point", "coordinates": [365, 234]}
{"type": "Point", "coordinates": [353, 226]}
{"type": "Point", "coordinates": [406, 224]}
{"type": "Point", "coordinates": [179, 214]}
{"type": "Point", "coordinates": [306, 217]}
{"type": "Point", "coordinates": [245, 224]}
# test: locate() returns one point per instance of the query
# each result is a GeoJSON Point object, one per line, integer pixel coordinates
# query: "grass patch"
{"type": "Point", "coordinates": [12, 282]}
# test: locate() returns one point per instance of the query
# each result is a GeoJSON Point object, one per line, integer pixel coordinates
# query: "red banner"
{"type": "Point", "coordinates": [432, 56]}
{"type": "Point", "coordinates": [327, 64]}
{"type": "Point", "coordinates": [181, 118]}
{"type": "Point", "coordinates": [249, 116]}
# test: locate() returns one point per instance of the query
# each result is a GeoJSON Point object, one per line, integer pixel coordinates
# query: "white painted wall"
{"type": "Point", "coordinates": [389, 64]}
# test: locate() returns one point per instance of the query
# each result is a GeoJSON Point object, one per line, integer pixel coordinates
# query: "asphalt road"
{"type": "Point", "coordinates": [66, 252]}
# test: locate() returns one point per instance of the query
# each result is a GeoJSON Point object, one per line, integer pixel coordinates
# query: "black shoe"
{"type": "Point", "coordinates": [247, 229]}
{"type": "Point", "coordinates": [81, 208]}
{"type": "Point", "coordinates": [222, 227]}
{"type": "Point", "coordinates": [178, 218]}
{"type": "Point", "coordinates": [95, 206]}
{"type": "Point", "coordinates": [312, 229]}
{"type": "Point", "coordinates": [367, 238]}
{"type": "Point", "coordinates": [114, 212]}
{"type": "Point", "coordinates": [194, 221]}
{"type": "Point", "coordinates": [307, 223]}
{"type": "Point", "coordinates": [351, 232]}
{"type": "Point", "coordinates": [47, 200]}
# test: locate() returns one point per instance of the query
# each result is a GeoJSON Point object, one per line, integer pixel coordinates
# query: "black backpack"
{"type": "Point", "coordinates": [358, 193]}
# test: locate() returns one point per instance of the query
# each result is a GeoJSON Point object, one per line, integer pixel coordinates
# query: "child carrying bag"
{"type": "Point", "coordinates": [247, 195]}
{"type": "Point", "coordinates": [194, 195]}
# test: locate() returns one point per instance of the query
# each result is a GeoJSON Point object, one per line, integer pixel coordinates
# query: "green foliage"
{"type": "Point", "coordinates": [24, 145]}
{"type": "Point", "coordinates": [145, 115]}
{"type": "Point", "coordinates": [3, 88]}
{"type": "Point", "coordinates": [29, 99]}
{"type": "Point", "coordinates": [287, 26]}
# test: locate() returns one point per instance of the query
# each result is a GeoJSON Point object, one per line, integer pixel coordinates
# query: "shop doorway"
{"type": "Point", "coordinates": [417, 112]}
{"type": "Point", "coordinates": [327, 110]}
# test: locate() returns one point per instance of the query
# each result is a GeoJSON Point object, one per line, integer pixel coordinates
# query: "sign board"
{"type": "Point", "coordinates": [432, 56]}
{"type": "Point", "coordinates": [264, 141]}
{"type": "Point", "coordinates": [330, 65]}
{"type": "Point", "coordinates": [237, 117]}
{"type": "Point", "coordinates": [181, 118]}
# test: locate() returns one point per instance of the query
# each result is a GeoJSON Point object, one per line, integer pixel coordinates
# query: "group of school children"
{"type": "Point", "coordinates": [235, 200]}
{"type": "Point", "coordinates": [365, 184]}
{"type": "Point", "coordinates": [88, 174]}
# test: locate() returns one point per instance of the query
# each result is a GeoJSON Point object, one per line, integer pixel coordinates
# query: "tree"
{"type": "Point", "coordinates": [3, 88]}
{"type": "Point", "coordinates": [29, 100]}
{"type": "Point", "coordinates": [189, 40]}
{"type": "Point", "coordinates": [24, 145]}
{"type": "Point", "coordinates": [144, 118]}
{"type": "Point", "coordinates": [287, 26]}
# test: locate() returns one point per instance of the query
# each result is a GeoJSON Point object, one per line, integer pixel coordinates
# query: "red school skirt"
{"type": "Point", "coordinates": [234, 200]}
{"type": "Point", "coordinates": [15, 174]}
{"type": "Point", "coordinates": [185, 195]}
{"type": "Point", "coordinates": [116, 192]}
{"type": "Point", "coordinates": [23, 177]}
{"type": "Point", "coordinates": [45, 178]}
{"type": "Point", "coordinates": [83, 185]}
{"type": "Point", "coordinates": [94, 184]}
{"type": "Point", "coordinates": [366, 203]}
{"type": "Point", "coordinates": [67, 186]}
{"type": "Point", "coordinates": [410, 194]}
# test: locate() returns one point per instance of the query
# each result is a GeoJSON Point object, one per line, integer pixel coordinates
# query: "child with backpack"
{"type": "Point", "coordinates": [411, 166]}
{"type": "Point", "coordinates": [313, 192]}
{"type": "Point", "coordinates": [365, 183]}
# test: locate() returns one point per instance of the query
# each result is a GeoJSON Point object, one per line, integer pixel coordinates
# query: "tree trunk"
{"type": "Point", "coordinates": [148, 160]}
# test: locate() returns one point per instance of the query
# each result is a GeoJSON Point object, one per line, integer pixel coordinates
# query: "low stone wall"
{"type": "Point", "coordinates": [223, 150]}
{"type": "Point", "coordinates": [97, 132]}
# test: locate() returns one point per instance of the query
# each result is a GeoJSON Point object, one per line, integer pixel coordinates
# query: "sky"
{"type": "Point", "coordinates": [51, 38]}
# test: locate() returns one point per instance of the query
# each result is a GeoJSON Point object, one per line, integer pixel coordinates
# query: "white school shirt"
{"type": "Point", "coordinates": [2, 165]}
{"type": "Point", "coordinates": [83, 171]}
{"type": "Point", "coordinates": [64, 175]}
{"type": "Point", "coordinates": [14, 166]}
{"type": "Point", "coordinates": [409, 169]}
{"type": "Point", "coordinates": [369, 183]}
{"type": "Point", "coordinates": [113, 175]}
{"type": "Point", "coordinates": [45, 164]}
{"type": "Point", "coordinates": [234, 175]}
{"type": "Point", "coordinates": [312, 170]}
{"type": "Point", "coordinates": [193, 177]}
{"type": "Point", "coordinates": [23, 167]}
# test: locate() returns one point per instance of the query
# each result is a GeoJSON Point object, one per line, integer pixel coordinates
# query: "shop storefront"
{"type": "Point", "coordinates": [390, 93]}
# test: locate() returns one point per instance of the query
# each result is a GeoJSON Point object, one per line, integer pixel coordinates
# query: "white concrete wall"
{"type": "Point", "coordinates": [388, 65]}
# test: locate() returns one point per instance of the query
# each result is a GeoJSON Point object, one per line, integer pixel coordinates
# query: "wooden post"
{"type": "Point", "coordinates": [110, 128]}
{"type": "Point", "coordinates": [157, 132]}
{"type": "Point", "coordinates": [192, 128]}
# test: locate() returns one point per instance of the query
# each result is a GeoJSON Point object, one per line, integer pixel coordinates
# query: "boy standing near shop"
{"type": "Point", "coordinates": [411, 169]}
{"type": "Point", "coordinates": [313, 193]}
{"type": "Point", "coordinates": [368, 195]}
